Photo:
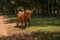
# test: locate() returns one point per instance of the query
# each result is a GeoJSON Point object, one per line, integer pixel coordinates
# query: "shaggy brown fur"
{"type": "Point", "coordinates": [24, 17]}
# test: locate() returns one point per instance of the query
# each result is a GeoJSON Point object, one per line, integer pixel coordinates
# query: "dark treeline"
{"type": "Point", "coordinates": [43, 7]}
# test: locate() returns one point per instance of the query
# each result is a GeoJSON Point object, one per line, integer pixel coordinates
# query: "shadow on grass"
{"type": "Point", "coordinates": [45, 20]}
{"type": "Point", "coordinates": [41, 20]}
{"type": "Point", "coordinates": [22, 27]}
{"type": "Point", "coordinates": [34, 36]}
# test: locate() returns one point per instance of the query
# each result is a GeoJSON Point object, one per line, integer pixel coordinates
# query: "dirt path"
{"type": "Point", "coordinates": [8, 29]}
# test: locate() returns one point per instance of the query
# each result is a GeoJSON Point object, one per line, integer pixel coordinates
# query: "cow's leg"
{"type": "Point", "coordinates": [21, 23]}
{"type": "Point", "coordinates": [29, 22]}
{"type": "Point", "coordinates": [25, 23]}
{"type": "Point", "coordinates": [17, 23]}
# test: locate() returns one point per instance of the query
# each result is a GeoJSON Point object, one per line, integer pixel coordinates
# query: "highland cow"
{"type": "Point", "coordinates": [23, 17]}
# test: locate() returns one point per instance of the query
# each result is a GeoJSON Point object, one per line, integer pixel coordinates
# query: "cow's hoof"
{"type": "Point", "coordinates": [16, 26]}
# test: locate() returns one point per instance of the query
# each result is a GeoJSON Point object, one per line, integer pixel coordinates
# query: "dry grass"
{"type": "Point", "coordinates": [44, 28]}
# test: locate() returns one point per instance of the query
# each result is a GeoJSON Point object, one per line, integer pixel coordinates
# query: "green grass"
{"type": "Point", "coordinates": [46, 21]}
{"type": "Point", "coordinates": [43, 29]}
{"type": "Point", "coordinates": [42, 23]}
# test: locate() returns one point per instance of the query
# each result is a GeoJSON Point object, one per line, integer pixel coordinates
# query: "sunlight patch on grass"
{"type": "Point", "coordinates": [43, 29]}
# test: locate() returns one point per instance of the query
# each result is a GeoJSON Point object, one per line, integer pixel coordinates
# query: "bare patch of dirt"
{"type": "Point", "coordinates": [8, 29]}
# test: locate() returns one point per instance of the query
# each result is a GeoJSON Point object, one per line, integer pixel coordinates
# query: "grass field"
{"type": "Point", "coordinates": [42, 23]}
{"type": "Point", "coordinates": [42, 28]}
